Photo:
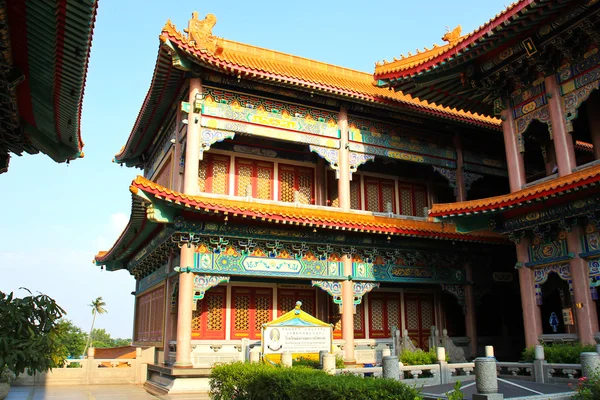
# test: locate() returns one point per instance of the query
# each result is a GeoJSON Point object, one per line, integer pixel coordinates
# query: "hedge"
{"type": "Point", "coordinates": [241, 381]}
{"type": "Point", "coordinates": [559, 353]}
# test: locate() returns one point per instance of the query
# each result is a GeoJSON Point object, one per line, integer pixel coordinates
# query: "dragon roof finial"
{"type": "Point", "coordinates": [452, 36]}
{"type": "Point", "coordinates": [200, 32]}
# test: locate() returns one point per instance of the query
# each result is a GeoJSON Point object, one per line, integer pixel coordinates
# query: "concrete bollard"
{"type": "Point", "coordinates": [255, 355]}
{"type": "Point", "coordinates": [391, 368]}
{"type": "Point", "coordinates": [441, 353]}
{"type": "Point", "coordinates": [590, 363]}
{"type": "Point", "coordinates": [538, 364]}
{"type": "Point", "coordinates": [486, 379]}
{"type": "Point", "coordinates": [329, 363]}
{"type": "Point", "coordinates": [286, 359]}
{"type": "Point", "coordinates": [321, 355]}
{"type": "Point", "coordinates": [386, 353]}
{"type": "Point", "coordinates": [598, 348]}
{"type": "Point", "coordinates": [489, 351]}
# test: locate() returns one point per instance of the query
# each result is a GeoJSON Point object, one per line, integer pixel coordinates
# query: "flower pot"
{"type": "Point", "coordinates": [4, 388]}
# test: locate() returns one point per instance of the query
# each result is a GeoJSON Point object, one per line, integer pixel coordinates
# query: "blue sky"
{"type": "Point", "coordinates": [56, 217]}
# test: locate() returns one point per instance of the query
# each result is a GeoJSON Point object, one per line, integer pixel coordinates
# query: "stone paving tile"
{"type": "Point", "coordinates": [91, 392]}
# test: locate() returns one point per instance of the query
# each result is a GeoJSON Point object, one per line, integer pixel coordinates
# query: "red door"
{"type": "Point", "coordinates": [419, 317]}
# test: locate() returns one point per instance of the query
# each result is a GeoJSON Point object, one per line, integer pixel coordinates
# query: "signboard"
{"type": "Point", "coordinates": [296, 339]}
{"type": "Point", "coordinates": [296, 332]}
{"type": "Point", "coordinates": [567, 316]}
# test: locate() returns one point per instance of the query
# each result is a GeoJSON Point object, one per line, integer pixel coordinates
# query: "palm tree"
{"type": "Point", "coordinates": [97, 308]}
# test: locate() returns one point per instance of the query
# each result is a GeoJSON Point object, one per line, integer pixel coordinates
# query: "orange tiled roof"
{"type": "Point", "coordinates": [328, 219]}
{"type": "Point", "coordinates": [409, 65]}
{"type": "Point", "coordinates": [252, 62]}
{"type": "Point", "coordinates": [558, 186]}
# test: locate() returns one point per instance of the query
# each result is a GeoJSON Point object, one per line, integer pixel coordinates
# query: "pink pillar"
{"type": "Point", "coordinates": [344, 199]}
{"type": "Point", "coordinates": [563, 142]}
{"type": "Point", "coordinates": [461, 190]}
{"type": "Point", "coordinates": [550, 160]}
{"type": "Point", "coordinates": [186, 279]}
{"type": "Point", "coordinates": [470, 321]}
{"type": "Point", "coordinates": [514, 158]}
{"type": "Point", "coordinates": [321, 194]}
{"type": "Point", "coordinates": [585, 307]}
{"type": "Point", "coordinates": [532, 316]}
{"type": "Point", "coordinates": [168, 317]}
{"type": "Point", "coordinates": [593, 106]}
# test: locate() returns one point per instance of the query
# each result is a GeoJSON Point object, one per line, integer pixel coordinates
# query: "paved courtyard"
{"type": "Point", "coordinates": [90, 392]}
{"type": "Point", "coordinates": [511, 389]}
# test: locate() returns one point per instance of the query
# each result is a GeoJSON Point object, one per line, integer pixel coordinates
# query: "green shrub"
{"type": "Point", "coordinates": [559, 353]}
{"type": "Point", "coordinates": [588, 388]}
{"type": "Point", "coordinates": [260, 381]}
{"type": "Point", "coordinates": [306, 362]}
{"type": "Point", "coordinates": [419, 357]}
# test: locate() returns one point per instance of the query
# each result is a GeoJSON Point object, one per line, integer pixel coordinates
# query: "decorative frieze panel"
{"type": "Point", "coordinates": [154, 278]}
{"type": "Point", "coordinates": [483, 164]}
{"type": "Point", "coordinates": [540, 276]}
{"type": "Point", "coordinates": [403, 273]}
{"type": "Point", "coordinates": [549, 252]}
{"type": "Point", "coordinates": [541, 114]}
{"type": "Point", "coordinates": [381, 134]}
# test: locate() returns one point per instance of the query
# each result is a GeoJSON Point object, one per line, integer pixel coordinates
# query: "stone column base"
{"type": "Point", "coordinates": [491, 396]}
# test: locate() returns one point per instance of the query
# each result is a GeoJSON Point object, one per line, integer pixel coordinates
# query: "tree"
{"type": "Point", "coordinates": [29, 333]}
{"type": "Point", "coordinates": [101, 339]}
{"type": "Point", "coordinates": [97, 308]}
{"type": "Point", "coordinates": [71, 339]}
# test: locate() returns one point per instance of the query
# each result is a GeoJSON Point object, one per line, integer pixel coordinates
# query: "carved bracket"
{"type": "Point", "coordinates": [470, 179]}
{"type": "Point", "coordinates": [540, 276]}
{"type": "Point", "coordinates": [334, 288]}
{"type": "Point", "coordinates": [542, 114]}
{"type": "Point", "coordinates": [208, 137]}
{"type": "Point", "coordinates": [358, 159]}
{"type": "Point", "coordinates": [573, 100]}
{"type": "Point", "coordinates": [331, 155]}
{"type": "Point", "coordinates": [204, 282]}
{"type": "Point", "coordinates": [459, 292]}
{"type": "Point", "coordinates": [449, 174]}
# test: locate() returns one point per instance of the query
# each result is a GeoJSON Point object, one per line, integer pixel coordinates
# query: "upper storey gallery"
{"type": "Point", "coordinates": [275, 127]}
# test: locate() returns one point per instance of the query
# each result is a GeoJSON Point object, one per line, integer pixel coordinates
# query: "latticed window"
{"type": "Point", "coordinates": [294, 179]}
{"type": "Point", "coordinates": [254, 178]}
{"type": "Point", "coordinates": [208, 319]}
{"type": "Point", "coordinates": [163, 178]}
{"type": "Point", "coordinates": [380, 195]}
{"type": "Point", "coordinates": [150, 310]}
{"type": "Point", "coordinates": [335, 318]}
{"type": "Point", "coordinates": [287, 298]}
{"type": "Point", "coordinates": [384, 314]}
{"type": "Point", "coordinates": [213, 174]}
{"type": "Point", "coordinates": [420, 317]}
{"type": "Point", "coordinates": [413, 199]}
{"type": "Point", "coordinates": [250, 308]}
{"type": "Point", "coordinates": [332, 191]}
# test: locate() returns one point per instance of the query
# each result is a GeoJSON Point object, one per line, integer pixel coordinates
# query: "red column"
{"type": "Point", "coordinates": [186, 279]}
{"type": "Point", "coordinates": [532, 316]}
{"type": "Point", "coordinates": [470, 321]}
{"type": "Point", "coordinates": [514, 158]}
{"type": "Point", "coordinates": [321, 195]}
{"type": "Point", "coordinates": [593, 105]}
{"type": "Point", "coordinates": [585, 307]}
{"type": "Point", "coordinates": [563, 142]}
{"type": "Point", "coordinates": [344, 199]}
{"type": "Point", "coordinates": [461, 191]}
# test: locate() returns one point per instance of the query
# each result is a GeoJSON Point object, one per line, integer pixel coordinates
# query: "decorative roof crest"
{"type": "Point", "coordinates": [452, 37]}
{"type": "Point", "coordinates": [200, 33]}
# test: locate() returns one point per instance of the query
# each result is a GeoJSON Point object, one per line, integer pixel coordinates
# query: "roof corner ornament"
{"type": "Point", "coordinates": [200, 33]}
{"type": "Point", "coordinates": [452, 36]}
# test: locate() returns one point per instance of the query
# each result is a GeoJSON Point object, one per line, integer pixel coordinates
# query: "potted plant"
{"type": "Point", "coordinates": [31, 335]}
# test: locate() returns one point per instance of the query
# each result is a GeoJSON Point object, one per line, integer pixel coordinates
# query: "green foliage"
{"type": "Point", "coordinates": [71, 339]}
{"type": "Point", "coordinates": [339, 362]}
{"type": "Point", "coordinates": [588, 388]}
{"type": "Point", "coordinates": [455, 394]}
{"type": "Point", "coordinates": [306, 362]}
{"type": "Point", "coordinates": [261, 381]}
{"type": "Point", "coordinates": [29, 333]}
{"type": "Point", "coordinates": [101, 340]}
{"type": "Point", "coordinates": [559, 353]}
{"type": "Point", "coordinates": [419, 357]}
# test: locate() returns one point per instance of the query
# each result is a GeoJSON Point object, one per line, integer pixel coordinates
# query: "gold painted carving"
{"type": "Point", "coordinates": [200, 32]}
{"type": "Point", "coordinates": [452, 36]}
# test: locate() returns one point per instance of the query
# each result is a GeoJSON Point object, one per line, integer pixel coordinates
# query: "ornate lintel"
{"type": "Point", "coordinates": [540, 276]}
{"type": "Point", "coordinates": [204, 282]}
{"type": "Point", "coordinates": [208, 137]}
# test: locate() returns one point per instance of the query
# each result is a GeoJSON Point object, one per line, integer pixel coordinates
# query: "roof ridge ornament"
{"type": "Point", "coordinates": [200, 33]}
{"type": "Point", "coordinates": [452, 36]}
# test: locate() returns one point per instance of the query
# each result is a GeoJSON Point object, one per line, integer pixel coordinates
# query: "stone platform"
{"type": "Point", "coordinates": [511, 389]}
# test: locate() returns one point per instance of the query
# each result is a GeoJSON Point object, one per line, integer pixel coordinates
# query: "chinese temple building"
{"type": "Point", "coordinates": [536, 66]}
{"type": "Point", "coordinates": [270, 179]}
{"type": "Point", "coordinates": [43, 66]}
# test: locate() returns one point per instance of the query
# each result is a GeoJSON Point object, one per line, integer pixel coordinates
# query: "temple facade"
{"type": "Point", "coordinates": [270, 179]}
{"type": "Point", "coordinates": [536, 67]}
